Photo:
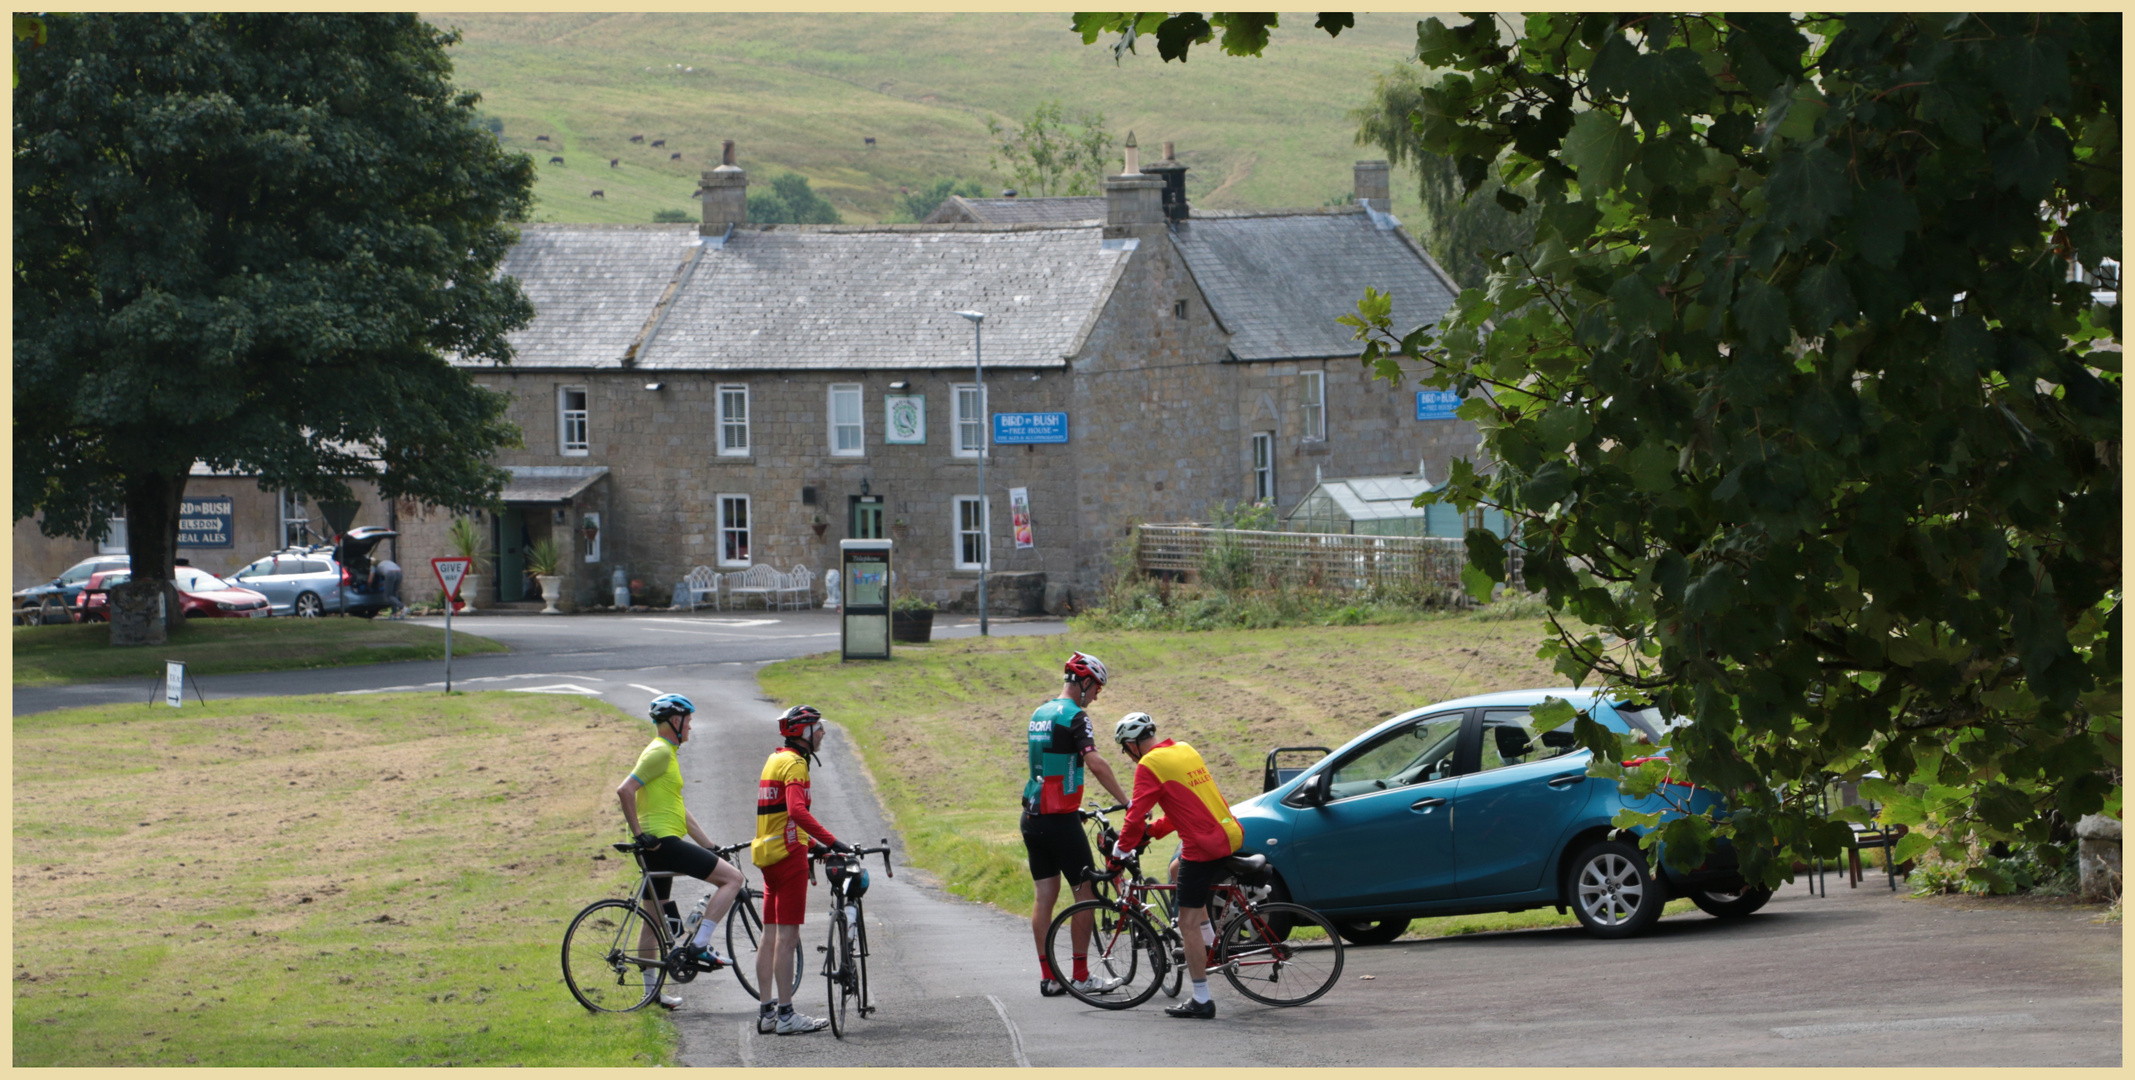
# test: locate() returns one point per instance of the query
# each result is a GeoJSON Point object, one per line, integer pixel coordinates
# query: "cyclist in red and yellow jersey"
{"type": "Point", "coordinates": [784, 829]}
{"type": "Point", "coordinates": [1172, 775]}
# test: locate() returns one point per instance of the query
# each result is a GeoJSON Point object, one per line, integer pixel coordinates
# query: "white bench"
{"type": "Point", "coordinates": [756, 581]}
{"type": "Point", "coordinates": [799, 589]}
{"type": "Point", "coordinates": [701, 587]}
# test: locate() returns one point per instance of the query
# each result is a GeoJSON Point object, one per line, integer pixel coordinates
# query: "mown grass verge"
{"type": "Point", "coordinates": [315, 881]}
{"type": "Point", "coordinates": [941, 726]}
{"type": "Point", "coordinates": [45, 655]}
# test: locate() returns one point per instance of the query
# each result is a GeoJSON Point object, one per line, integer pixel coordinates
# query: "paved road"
{"type": "Point", "coordinates": [1860, 977]}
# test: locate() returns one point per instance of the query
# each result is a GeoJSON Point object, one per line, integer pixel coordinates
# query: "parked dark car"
{"type": "Point", "coordinates": [201, 595]}
{"type": "Point", "coordinates": [1464, 807]}
{"type": "Point", "coordinates": [59, 600]}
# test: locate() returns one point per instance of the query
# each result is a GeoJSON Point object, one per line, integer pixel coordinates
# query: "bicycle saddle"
{"type": "Point", "coordinates": [1248, 868]}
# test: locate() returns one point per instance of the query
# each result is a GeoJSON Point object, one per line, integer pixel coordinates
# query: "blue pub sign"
{"type": "Point", "coordinates": [1016, 428]}
{"type": "Point", "coordinates": [1436, 404]}
{"type": "Point", "coordinates": [204, 520]}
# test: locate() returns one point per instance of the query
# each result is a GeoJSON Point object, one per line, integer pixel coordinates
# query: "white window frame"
{"type": "Point", "coordinates": [856, 428]}
{"type": "Point", "coordinates": [1263, 451]}
{"type": "Point", "coordinates": [726, 528]}
{"type": "Point", "coordinates": [957, 532]}
{"type": "Point", "coordinates": [733, 430]}
{"type": "Point", "coordinates": [113, 542]}
{"type": "Point", "coordinates": [1315, 405]}
{"type": "Point", "coordinates": [957, 420]}
{"type": "Point", "coordinates": [568, 419]}
{"type": "Point", "coordinates": [295, 515]}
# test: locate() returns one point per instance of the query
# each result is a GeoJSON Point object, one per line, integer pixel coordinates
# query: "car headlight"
{"type": "Point", "coordinates": [225, 605]}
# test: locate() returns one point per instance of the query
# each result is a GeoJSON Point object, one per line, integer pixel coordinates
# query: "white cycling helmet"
{"type": "Point", "coordinates": [1133, 727]}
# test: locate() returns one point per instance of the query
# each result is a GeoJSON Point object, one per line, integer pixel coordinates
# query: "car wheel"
{"type": "Point", "coordinates": [1730, 904]}
{"type": "Point", "coordinates": [1370, 931]}
{"type": "Point", "coordinates": [1613, 892]}
{"type": "Point", "coordinates": [308, 606]}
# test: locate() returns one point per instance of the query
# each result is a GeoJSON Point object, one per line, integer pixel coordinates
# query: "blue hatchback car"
{"type": "Point", "coordinates": [1464, 807]}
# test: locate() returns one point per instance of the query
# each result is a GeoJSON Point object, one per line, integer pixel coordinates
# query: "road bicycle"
{"type": "Point", "coordinates": [1267, 949]}
{"type": "Point", "coordinates": [617, 956]}
{"type": "Point", "coordinates": [845, 953]}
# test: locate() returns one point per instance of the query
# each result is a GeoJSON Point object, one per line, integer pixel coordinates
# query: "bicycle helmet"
{"type": "Point", "coordinates": [793, 723]}
{"type": "Point", "coordinates": [1080, 666]}
{"type": "Point", "coordinates": [1133, 727]}
{"type": "Point", "coordinates": [667, 705]}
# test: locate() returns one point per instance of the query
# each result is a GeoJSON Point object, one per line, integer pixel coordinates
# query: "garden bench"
{"type": "Point", "coordinates": [799, 589]}
{"type": "Point", "coordinates": [701, 587]}
{"type": "Point", "coordinates": [756, 581]}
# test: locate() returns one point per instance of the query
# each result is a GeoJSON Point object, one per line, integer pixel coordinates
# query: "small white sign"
{"type": "Point", "coordinates": [451, 570]}
{"type": "Point", "coordinates": [906, 420]}
{"type": "Point", "coordinates": [174, 682]}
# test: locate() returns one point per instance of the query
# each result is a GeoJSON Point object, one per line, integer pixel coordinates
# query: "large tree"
{"type": "Point", "coordinates": [1808, 429]}
{"type": "Point", "coordinates": [253, 241]}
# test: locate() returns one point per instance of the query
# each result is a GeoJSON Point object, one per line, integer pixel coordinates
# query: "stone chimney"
{"type": "Point", "coordinates": [725, 191]}
{"type": "Point", "coordinates": [1173, 173]}
{"type": "Point", "coordinates": [1372, 184]}
{"type": "Point", "coordinates": [1133, 203]}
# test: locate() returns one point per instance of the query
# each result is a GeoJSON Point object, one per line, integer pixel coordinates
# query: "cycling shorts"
{"type": "Point", "coordinates": [1197, 881]}
{"type": "Point", "coordinates": [677, 855]}
{"type": "Point", "coordinates": [1057, 846]}
{"type": "Point", "coordinates": [786, 891]}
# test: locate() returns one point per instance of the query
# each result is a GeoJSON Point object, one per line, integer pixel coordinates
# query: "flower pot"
{"type": "Point", "coordinates": [819, 527]}
{"type": "Point", "coordinates": [551, 590]}
{"type": "Point", "coordinates": [915, 626]}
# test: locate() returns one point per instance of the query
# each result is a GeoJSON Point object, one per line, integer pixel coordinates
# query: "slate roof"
{"type": "Point", "coordinates": [1047, 210]}
{"type": "Point", "coordinates": [1277, 281]}
{"type": "Point", "coordinates": [549, 483]}
{"type": "Point", "coordinates": [825, 297]}
{"type": "Point", "coordinates": [592, 287]}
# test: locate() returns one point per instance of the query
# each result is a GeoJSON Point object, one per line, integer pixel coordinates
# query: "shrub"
{"type": "Point", "coordinates": [671, 217]}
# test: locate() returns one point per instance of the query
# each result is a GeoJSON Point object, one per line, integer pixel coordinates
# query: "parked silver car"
{"type": "Point", "coordinates": [296, 581]}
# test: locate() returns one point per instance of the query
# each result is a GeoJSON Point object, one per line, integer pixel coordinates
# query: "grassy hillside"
{"type": "Point", "coordinates": [802, 92]}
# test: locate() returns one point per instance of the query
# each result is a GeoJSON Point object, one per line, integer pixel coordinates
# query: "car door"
{"type": "Point", "coordinates": [270, 580]}
{"type": "Point", "coordinates": [1511, 812]}
{"type": "Point", "coordinates": [1384, 836]}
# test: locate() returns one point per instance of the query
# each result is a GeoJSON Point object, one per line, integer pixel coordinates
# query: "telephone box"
{"type": "Point", "coordinates": [866, 581]}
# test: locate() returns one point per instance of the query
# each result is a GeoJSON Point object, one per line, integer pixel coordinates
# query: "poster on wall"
{"type": "Point", "coordinates": [1019, 511]}
{"type": "Point", "coordinates": [204, 520]}
{"type": "Point", "coordinates": [906, 420]}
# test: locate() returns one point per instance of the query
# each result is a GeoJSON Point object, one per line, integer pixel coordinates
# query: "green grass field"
{"type": "Point", "coordinates": [316, 881]}
{"type": "Point", "coordinates": [941, 726]}
{"type": "Point", "coordinates": [45, 655]}
{"type": "Point", "coordinates": [802, 92]}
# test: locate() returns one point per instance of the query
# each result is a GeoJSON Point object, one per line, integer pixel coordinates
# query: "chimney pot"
{"type": "Point", "coordinates": [726, 152]}
{"type": "Point", "coordinates": [1167, 151]}
{"type": "Point", "coordinates": [1134, 157]}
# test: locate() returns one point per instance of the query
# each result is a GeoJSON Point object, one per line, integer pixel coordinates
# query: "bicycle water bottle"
{"type": "Point", "coordinates": [696, 916]}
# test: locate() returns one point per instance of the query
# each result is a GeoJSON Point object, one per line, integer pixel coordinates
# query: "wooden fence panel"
{"type": "Point", "coordinates": [1326, 560]}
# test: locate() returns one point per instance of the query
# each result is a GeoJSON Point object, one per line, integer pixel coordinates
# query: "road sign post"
{"type": "Point", "coordinates": [450, 570]}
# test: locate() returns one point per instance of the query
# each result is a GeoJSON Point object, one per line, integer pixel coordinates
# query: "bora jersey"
{"type": "Point", "coordinates": [1059, 736]}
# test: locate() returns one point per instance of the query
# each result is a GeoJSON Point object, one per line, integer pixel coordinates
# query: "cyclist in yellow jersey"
{"type": "Point", "coordinates": [784, 827]}
{"type": "Point", "coordinates": [1172, 775]}
{"type": "Point", "coordinates": [651, 797]}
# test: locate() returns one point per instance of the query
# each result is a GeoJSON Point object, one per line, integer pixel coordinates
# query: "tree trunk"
{"type": "Point", "coordinates": [152, 500]}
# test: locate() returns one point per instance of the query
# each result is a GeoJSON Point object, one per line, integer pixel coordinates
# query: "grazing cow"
{"type": "Point", "coordinates": [870, 140]}
{"type": "Point", "coordinates": [541, 138]}
{"type": "Point", "coordinates": [659, 142]}
{"type": "Point", "coordinates": [677, 156]}
{"type": "Point", "coordinates": [555, 161]}
{"type": "Point", "coordinates": [640, 138]}
{"type": "Point", "coordinates": [615, 162]}
{"type": "Point", "coordinates": [599, 194]}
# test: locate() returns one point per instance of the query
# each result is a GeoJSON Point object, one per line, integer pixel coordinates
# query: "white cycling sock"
{"type": "Point", "coordinates": [1201, 990]}
{"type": "Point", "coordinates": [1208, 935]}
{"type": "Point", "coordinates": [703, 940]}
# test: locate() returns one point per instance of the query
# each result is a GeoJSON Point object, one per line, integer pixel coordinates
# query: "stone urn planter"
{"type": "Point", "coordinates": [551, 591]}
{"type": "Point", "coordinates": [913, 627]}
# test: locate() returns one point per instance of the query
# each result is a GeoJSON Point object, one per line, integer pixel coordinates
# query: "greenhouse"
{"type": "Point", "coordinates": [1382, 506]}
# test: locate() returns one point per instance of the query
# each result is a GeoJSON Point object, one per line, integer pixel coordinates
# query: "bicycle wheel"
{"type": "Point", "coordinates": [1126, 956]}
{"type": "Point", "coordinates": [606, 962]}
{"type": "Point", "coordinates": [866, 1004]}
{"type": "Point", "coordinates": [839, 974]}
{"type": "Point", "coordinates": [1175, 950]}
{"type": "Point", "coordinates": [744, 932]}
{"type": "Point", "coordinates": [1270, 970]}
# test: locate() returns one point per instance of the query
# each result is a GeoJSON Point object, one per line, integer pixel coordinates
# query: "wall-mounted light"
{"type": "Point", "coordinates": [655, 386]}
{"type": "Point", "coordinates": [899, 385]}
{"type": "Point", "coordinates": [863, 487]}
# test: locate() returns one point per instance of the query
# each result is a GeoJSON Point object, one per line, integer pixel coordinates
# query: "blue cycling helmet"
{"type": "Point", "coordinates": [667, 705]}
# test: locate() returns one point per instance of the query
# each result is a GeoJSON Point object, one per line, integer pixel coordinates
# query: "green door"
{"type": "Point", "coordinates": [511, 556]}
{"type": "Point", "coordinates": [866, 521]}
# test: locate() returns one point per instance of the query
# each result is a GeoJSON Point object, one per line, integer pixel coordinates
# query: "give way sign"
{"type": "Point", "coordinates": [451, 570]}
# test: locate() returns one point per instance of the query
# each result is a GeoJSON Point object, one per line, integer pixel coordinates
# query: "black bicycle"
{"type": "Point", "coordinates": [845, 954]}
{"type": "Point", "coordinates": [618, 954]}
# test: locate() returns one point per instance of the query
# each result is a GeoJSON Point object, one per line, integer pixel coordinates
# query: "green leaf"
{"type": "Point", "coordinates": [1181, 32]}
{"type": "Point", "coordinates": [1553, 713]}
{"type": "Point", "coordinates": [1665, 87]}
{"type": "Point", "coordinates": [2030, 70]}
{"type": "Point", "coordinates": [1761, 312]}
{"type": "Point", "coordinates": [1334, 22]}
{"type": "Point", "coordinates": [1910, 846]}
{"type": "Point", "coordinates": [1477, 583]}
{"type": "Point", "coordinates": [1807, 187]}
{"type": "Point", "coordinates": [1245, 33]}
{"type": "Point", "coordinates": [1882, 217]}
{"type": "Point", "coordinates": [1652, 467]}
{"type": "Point", "coordinates": [1599, 149]}
{"type": "Point", "coordinates": [2030, 161]}
{"type": "Point", "coordinates": [1823, 298]}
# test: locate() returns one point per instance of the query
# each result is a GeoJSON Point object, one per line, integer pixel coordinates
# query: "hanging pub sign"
{"type": "Point", "coordinates": [906, 422]}
{"type": "Point", "coordinates": [1013, 428]}
{"type": "Point", "coordinates": [204, 520]}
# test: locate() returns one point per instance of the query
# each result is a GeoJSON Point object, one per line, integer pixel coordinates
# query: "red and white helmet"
{"type": "Point", "coordinates": [794, 722]}
{"type": "Point", "coordinates": [1080, 666]}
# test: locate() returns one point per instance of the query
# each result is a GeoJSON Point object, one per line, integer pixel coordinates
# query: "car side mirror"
{"type": "Point", "coordinates": [1316, 789]}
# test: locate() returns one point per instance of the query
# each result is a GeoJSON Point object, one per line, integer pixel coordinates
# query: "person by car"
{"type": "Point", "coordinates": [668, 834]}
{"type": "Point", "coordinates": [1060, 746]}
{"type": "Point", "coordinates": [385, 580]}
{"type": "Point", "coordinates": [1171, 775]}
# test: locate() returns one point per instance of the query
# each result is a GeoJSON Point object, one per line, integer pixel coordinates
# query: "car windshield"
{"type": "Point", "coordinates": [192, 580]}
{"type": "Point", "coordinates": [1410, 754]}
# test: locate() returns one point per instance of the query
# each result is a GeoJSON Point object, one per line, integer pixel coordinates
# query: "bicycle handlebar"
{"type": "Point", "coordinates": [818, 852]}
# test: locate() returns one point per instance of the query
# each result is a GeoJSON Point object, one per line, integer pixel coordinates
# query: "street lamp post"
{"type": "Point", "coordinates": [978, 374]}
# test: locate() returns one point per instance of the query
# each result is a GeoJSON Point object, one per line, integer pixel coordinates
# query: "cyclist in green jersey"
{"type": "Point", "coordinates": [1061, 745]}
{"type": "Point", "coordinates": [651, 797]}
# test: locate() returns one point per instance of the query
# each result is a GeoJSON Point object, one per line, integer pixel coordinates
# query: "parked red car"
{"type": "Point", "coordinates": [203, 595]}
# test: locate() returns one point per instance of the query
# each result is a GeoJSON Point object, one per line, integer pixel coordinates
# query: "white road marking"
{"type": "Point", "coordinates": [1932, 1023]}
{"type": "Point", "coordinates": [713, 622]}
{"type": "Point", "coordinates": [647, 689]}
{"type": "Point", "coordinates": [554, 688]}
{"type": "Point", "coordinates": [1015, 1038]}
{"type": "Point", "coordinates": [748, 1031]}
{"type": "Point", "coordinates": [702, 633]}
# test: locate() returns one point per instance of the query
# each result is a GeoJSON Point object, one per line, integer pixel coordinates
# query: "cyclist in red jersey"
{"type": "Point", "coordinates": [782, 820]}
{"type": "Point", "coordinates": [1060, 745]}
{"type": "Point", "coordinates": [1172, 775]}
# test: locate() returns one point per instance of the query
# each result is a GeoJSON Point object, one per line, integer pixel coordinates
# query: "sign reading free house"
{"type": "Point", "coordinates": [204, 521]}
{"type": "Point", "coordinates": [1013, 428]}
{"type": "Point", "coordinates": [1436, 404]}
